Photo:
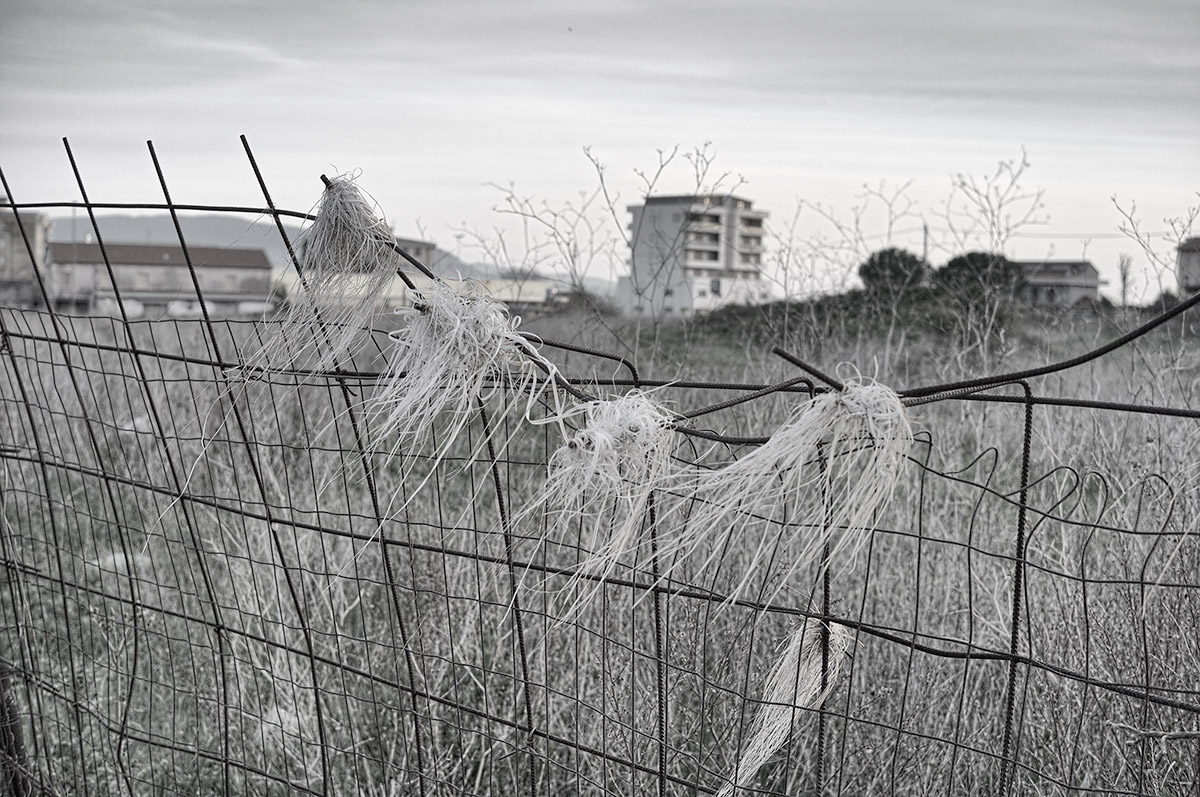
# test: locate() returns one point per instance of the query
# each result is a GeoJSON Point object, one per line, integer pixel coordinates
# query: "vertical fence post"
{"type": "Point", "coordinates": [1008, 761]}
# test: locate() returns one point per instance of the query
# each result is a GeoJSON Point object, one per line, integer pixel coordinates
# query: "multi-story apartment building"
{"type": "Point", "coordinates": [692, 254]}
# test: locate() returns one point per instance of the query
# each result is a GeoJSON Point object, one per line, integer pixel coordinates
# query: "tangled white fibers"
{"type": "Point", "coordinates": [815, 486]}
{"type": "Point", "coordinates": [600, 483]}
{"type": "Point", "coordinates": [457, 352]}
{"type": "Point", "coordinates": [795, 683]}
{"type": "Point", "coordinates": [348, 259]}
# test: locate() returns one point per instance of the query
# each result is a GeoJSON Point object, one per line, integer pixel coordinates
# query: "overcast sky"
{"type": "Point", "coordinates": [434, 100]}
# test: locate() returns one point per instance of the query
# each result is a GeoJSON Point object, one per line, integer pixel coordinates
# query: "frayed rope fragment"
{"type": "Point", "coordinates": [601, 481]}
{"type": "Point", "coordinates": [820, 481]}
{"type": "Point", "coordinates": [457, 350]}
{"type": "Point", "coordinates": [349, 260]}
{"type": "Point", "coordinates": [797, 682]}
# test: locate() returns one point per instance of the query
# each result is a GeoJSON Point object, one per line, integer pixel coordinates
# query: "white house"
{"type": "Point", "coordinates": [1059, 282]}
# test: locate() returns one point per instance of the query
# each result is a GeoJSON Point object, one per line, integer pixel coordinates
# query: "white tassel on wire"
{"type": "Point", "coordinates": [824, 475]}
{"type": "Point", "coordinates": [799, 681]}
{"type": "Point", "coordinates": [601, 481]}
{"type": "Point", "coordinates": [458, 349]}
{"type": "Point", "coordinates": [349, 259]}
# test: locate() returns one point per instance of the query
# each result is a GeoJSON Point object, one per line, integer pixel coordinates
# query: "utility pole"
{"type": "Point", "coordinates": [925, 241]}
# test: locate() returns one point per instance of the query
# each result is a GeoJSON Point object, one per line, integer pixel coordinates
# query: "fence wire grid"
{"type": "Point", "coordinates": [220, 585]}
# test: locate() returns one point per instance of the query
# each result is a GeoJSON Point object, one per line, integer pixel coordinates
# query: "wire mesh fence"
{"type": "Point", "coordinates": [225, 579]}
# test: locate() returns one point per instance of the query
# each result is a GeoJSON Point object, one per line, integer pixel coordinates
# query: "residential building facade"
{"type": "Point", "coordinates": [154, 280]}
{"type": "Point", "coordinates": [1059, 283]}
{"type": "Point", "coordinates": [18, 283]}
{"type": "Point", "coordinates": [424, 252]}
{"type": "Point", "coordinates": [692, 254]}
{"type": "Point", "coordinates": [516, 294]}
{"type": "Point", "coordinates": [1187, 266]}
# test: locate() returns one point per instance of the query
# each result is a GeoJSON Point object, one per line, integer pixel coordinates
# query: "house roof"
{"type": "Point", "coordinates": [414, 243]}
{"type": "Point", "coordinates": [1062, 268]}
{"type": "Point", "coordinates": [64, 252]}
{"type": "Point", "coordinates": [676, 199]}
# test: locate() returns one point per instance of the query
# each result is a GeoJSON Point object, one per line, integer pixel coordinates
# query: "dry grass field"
{"type": "Point", "coordinates": [217, 583]}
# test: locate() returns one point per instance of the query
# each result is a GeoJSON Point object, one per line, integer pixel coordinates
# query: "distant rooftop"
{"type": "Point", "coordinates": [158, 255]}
{"type": "Point", "coordinates": [1056, 266]}
{"type": "Point", "coordinates": [414, 242]}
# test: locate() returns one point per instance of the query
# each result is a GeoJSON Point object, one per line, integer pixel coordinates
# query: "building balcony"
{"type": "Point", "coordinates": [700, 226]}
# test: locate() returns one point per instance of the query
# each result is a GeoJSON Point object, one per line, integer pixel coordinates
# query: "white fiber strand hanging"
{"type": "Point", "coordinates": [348, 260]}
{"type": "Point", "coordinates": [458, 349]}
{"type": "Point", "coordinates": [800, 680]}
{"type": "Point", "coordinates": [600, 482]}
{"type": "Point", "coordinates": [816, 485]}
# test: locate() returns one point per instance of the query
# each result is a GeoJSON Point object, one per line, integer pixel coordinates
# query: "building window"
{"type": "Point", "coordinates": [669, 292]}
{"type": "Point", "coordinates": [715, 287]}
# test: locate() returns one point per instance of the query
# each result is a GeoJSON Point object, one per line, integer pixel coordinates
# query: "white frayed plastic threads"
{"type": "Point", "coordinates": [799, 680]}
{"type": "Point", "coordinates": [457, 351]}
{"type": "Point", "coordinates": [601, 481]}
{"type": "Point", "coordinates": [349, 259]}
{"type": "Point", "coordinates": [817, 484]}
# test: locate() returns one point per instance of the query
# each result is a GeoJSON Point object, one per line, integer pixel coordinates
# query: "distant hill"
{"type": "Point", "coordinates": [227, 230]}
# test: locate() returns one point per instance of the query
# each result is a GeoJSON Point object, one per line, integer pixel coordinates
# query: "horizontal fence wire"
{"type": "Point", "coordinates": [219, 577]}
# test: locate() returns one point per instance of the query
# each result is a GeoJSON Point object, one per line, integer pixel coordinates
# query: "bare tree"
{"type": "Point", "coordinates": [1124, 266]}
{"type": "Point", "coordinates": [587, 236]}
{"type": "Point", "coordinates": [984, 213]}
{"type": "Point", "coordinates": [1158, 247]}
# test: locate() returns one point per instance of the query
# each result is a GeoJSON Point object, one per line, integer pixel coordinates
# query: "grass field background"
{"type": "Point", "coordinates": [215, 583]}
